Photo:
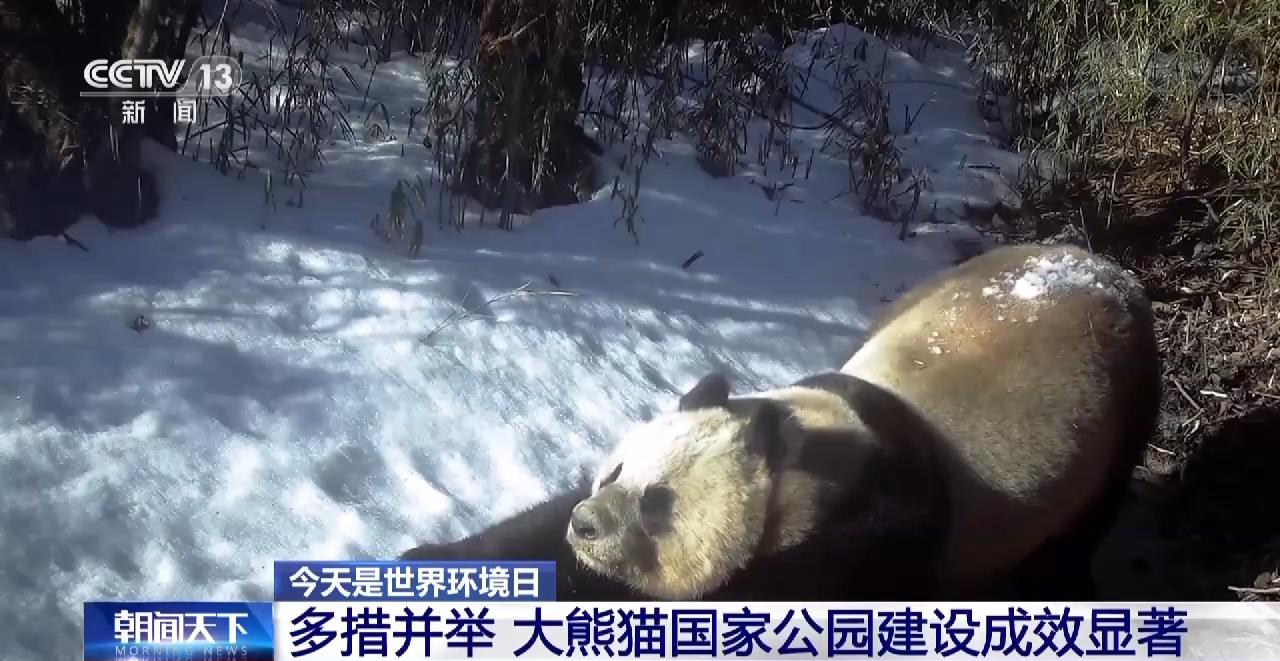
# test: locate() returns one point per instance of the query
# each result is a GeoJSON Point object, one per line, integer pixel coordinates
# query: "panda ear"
{"type": "Point", "coordinates": [712, 391]}
{"type": "Point", "coordinates": [764, 432]}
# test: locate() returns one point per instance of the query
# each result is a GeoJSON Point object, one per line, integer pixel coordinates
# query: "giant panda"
{"type": "Point", "coordinates": [1031, 373]}
{"type": "Point", "coordinates": [813, 566]}
{"type": "Point", "coordinates": [831, 488]}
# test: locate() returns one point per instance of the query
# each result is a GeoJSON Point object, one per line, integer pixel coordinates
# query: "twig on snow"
{"type": "Point", "coordinates": [466, 313]}
{"type": "Point", "coordinates": [71, 241]}
{"type": "Point", "coordinates": [1260, 591]}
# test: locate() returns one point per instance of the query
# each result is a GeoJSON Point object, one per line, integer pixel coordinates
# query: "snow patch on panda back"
{"type": "Point", "coordinates": [1046, 278]}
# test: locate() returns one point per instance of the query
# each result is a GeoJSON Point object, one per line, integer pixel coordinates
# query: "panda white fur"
{"type": "Point", "coordinates": [831, 488]}
{"type": "Point", "coordinates": [1029, 375]}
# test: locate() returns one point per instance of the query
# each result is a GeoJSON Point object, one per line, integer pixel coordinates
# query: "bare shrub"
{"type": "Point", "coordinates": [507, 116]}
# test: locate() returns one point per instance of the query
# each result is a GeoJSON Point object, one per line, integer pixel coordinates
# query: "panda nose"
{"type": "Point", "coordinates": [584, 522]}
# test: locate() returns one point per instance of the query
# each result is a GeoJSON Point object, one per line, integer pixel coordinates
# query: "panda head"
{"type": "Point", "coordinates": [681, 503]}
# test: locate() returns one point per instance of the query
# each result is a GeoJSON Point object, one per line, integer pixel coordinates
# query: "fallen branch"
{"type": "Point", "coordinates": [1259, 591]}
{"type": "Point", "coordinates": [72, 241]}
{"type": "Point", "coordinates": [466, 313]}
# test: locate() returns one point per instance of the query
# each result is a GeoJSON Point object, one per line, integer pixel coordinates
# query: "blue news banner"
{"type": "Point", "coordinates": [507, 610]}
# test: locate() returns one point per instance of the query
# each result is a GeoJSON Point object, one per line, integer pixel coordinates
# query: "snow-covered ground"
{"type": "Point", "coordinates": [282, 403]}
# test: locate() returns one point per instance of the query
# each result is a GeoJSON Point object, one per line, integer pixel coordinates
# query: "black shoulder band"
{"type": "Point", "coordinates": [845, 386]}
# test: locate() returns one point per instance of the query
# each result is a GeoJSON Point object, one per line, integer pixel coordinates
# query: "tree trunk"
{"type": "Point", "coordinates": [528, 151]}
{"type": "Point", "coordinates": [172, 33]}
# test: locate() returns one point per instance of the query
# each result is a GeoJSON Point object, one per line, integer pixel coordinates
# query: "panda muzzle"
{"type": "Point", "coordinates": [597, 517]}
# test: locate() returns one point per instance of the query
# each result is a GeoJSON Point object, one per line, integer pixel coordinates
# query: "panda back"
{"type": "Point", "coordinates": [1033, 362]}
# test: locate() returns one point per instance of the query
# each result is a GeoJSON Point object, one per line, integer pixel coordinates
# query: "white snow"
{"type": "Point", "coordinates": [1053, 275]}
{"type": "Point", "coordinates": [1043, 274]}
{"type": "Point", "coordinates": [281, 404]}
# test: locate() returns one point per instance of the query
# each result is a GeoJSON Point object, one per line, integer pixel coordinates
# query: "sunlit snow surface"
{"type": "Point", "coordinates": [282, 406]}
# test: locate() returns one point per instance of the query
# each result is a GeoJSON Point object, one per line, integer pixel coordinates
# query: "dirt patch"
{"type": "Point", "coordinates": [1225, 513]}
{"type": "Point", "coordinates": [1212, 526]}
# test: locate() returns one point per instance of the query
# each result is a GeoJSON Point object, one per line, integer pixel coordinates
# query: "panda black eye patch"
{"type": "Point", "coordinates": [612, 476]}
{"type": "Point", "coordinates": [657, 504]}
